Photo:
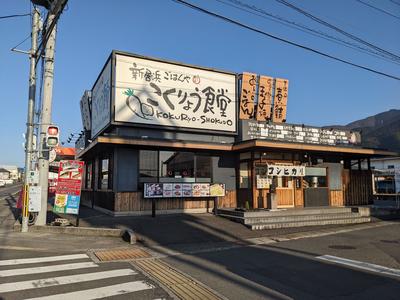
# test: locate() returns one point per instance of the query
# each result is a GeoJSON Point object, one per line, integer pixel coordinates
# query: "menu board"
{"type": "Point", "coordinates": [252, 129]}
{"type": "Point", "coordinates": [68, 190]}
{"type": "Point", "coordinates": [173, 190]}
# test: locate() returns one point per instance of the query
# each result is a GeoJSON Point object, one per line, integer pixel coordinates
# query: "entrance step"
{"type": "Point", "coordinates": [264, 219]}
{"type": "Point", "coordinates": [278, 225]}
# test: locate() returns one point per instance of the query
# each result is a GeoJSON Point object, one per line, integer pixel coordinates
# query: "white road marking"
{"type": "Point", "coordinates": [55, 281]}
{"type": "Point", "coordinates": [107, 291]}
{"type": "Point", "coordinates": [361, 265]}
{"type": "Point", "coordinates": [35, 260]}
{"type": "Point", "coordinates": [55, 268]}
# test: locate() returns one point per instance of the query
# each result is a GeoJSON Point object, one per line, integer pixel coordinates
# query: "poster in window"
{"type": "Point", "coordinates": [204, 189]}
{"type": "Point", "coordinates": [187, 189]}
{"type": "Point", "coordinates": [167, 190]}
{"type": "Point", "coordinates": [196, 190]}
{"type": "Point", "coordinates": [217, 190]}
{"type": "Point", "coordinates": [177, 190]}
{"type": "Point", "coordinates": [153, 190]}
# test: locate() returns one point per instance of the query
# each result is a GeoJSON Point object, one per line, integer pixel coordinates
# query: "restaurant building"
{"type": "Point", "coordinates": [186, 134]}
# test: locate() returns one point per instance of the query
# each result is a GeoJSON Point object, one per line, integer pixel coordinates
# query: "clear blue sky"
{"type": "Point", "coordinates": [321, 91]}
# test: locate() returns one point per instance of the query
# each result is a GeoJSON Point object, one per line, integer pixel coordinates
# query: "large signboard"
{"type": "Point", "coordinates": [68, 190]}
{"type": "Point", "coordinates": [247, 96]}
{"type": "Point", "coordinates": [85, 110]}
{"type": "Point", "coordinates": [159, 93]}
{"type": "Point", "coordinates": [252, 129]}
{"type": "Point", "coordinates": [264, 98]}
{"type": "Point", "coordinates": [101, 101]}
{"type": "Point", "coordinates": [280, 100]}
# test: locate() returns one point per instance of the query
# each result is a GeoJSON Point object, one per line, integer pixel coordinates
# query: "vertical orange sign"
{"type": "Point", "coordinates": [280, 100]}
{"type": "Point", "coordinates": [264, 98]}
{"type": "Point", "coordinates": [249, 84]}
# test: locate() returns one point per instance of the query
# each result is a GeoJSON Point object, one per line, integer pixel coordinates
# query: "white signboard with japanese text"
{"type": "Point", "coordinates": [101, 100]}
{"type": "Point", "coordinates": [278, 170]}
{"type": "Point", "coordinates": [34, 194]}
{"type": "Point", "coordinates": [160, 93]}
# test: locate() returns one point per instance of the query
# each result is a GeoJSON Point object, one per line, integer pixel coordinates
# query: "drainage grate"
{"type": "Point", "coordinates": [342, 247]}
{"type": "Point", "coordinates": [121, 254]}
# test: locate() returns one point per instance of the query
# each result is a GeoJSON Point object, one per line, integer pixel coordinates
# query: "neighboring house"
{"type": "Point", "coordinates": [4, 174]}
{"type": "Point", "coordinates": [14, 171]}
{"type": "Point", "coordinates": [386, 172]}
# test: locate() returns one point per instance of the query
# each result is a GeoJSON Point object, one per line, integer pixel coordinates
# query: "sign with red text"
{"type": "Point", "coordinates": [68, 190]}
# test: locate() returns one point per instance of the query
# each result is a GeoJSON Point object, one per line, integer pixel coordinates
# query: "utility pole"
{"type": "Point", "coordinates": [46, 118]}
{"type": "Point", "coordinates": [31, 106]}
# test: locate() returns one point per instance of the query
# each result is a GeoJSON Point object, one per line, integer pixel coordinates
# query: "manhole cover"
{"type": "Point", "coordinates": [342, 247]}
{"type": "Point", "coordinates": [121, 254]}
{"type": "Point", "coordinates": [390, 241]}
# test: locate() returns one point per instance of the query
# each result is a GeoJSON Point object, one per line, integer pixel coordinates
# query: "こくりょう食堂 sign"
{"type": "Point", "coordinates": [160, 93]}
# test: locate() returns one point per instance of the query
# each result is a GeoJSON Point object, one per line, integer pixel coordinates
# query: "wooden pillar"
{"type": "Point", "coordinates": [369, 164]}
{"type": "Point", "coordinates": [359, 164]}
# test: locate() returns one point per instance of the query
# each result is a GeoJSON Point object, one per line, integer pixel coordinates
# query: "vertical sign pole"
{"type": "Point", "coordinates": [153, 207]}
{"type": "Point", "coordinates": [31, 106]}
{"type": "Point", "coordinates": [46, 120]}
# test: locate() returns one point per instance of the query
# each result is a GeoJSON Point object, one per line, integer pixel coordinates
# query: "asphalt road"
{"type": "Point", "coordinates": [9, 189]}
{"type": "Point", "coordinates": [57, 266]}
{"type": "Point", "coordinates": [294, 269]}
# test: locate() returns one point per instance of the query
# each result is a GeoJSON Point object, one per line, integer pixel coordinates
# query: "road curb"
{"type": "Point", "coordinates": [81, 231]}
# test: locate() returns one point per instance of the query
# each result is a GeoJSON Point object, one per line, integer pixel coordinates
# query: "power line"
{"type": "Point", "coordinates": [356, 38]}
{"type": "Point", "coordinates": [398, 3]}
{"type": "Point", "coordinates": [15, 16]}
{"type": "Point", "coordinates": [282, 39]}
{"type": "Point", "coordinates": [276, 18]}
{"type": "Point", "coordinates": [378, 9]}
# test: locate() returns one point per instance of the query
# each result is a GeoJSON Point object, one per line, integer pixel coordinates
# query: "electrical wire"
{"type": "Point", "coordinates": [14, 16]}
{"type": "Point", "coordinates": [276, 18]}
{"type": "Point", "coordinates": [192, 6]}
{"type": "Point", "coordinates": [397, 3]}
{"type": "Point", "coordinates": [319, 20]}
{"type": "Point", "coordinates": [378, 9]}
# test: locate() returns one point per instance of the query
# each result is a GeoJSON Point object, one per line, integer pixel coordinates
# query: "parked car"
{"type": "Point", "coordinates": [9, 181]}
{"type": "Point", "coordinates": [2, 183]}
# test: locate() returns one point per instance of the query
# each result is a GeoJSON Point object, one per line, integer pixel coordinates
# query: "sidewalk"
{"type": "Point", "coordinates": [180, 230]}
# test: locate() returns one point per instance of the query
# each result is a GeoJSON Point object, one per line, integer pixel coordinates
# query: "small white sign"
{"type": "Point", "coordinates": [278, 170]}
{"type": "Point", "coordinates": [35, 193]}
{"type": "Point", "coordinates": [52, 155]}
{"type": "Point", "coordinates": [33, 177]}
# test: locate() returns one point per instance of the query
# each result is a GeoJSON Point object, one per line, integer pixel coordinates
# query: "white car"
{"type": "Point", "coordinates": [8, 181]}
{"type": "Point", "coordinates": [2, 183]}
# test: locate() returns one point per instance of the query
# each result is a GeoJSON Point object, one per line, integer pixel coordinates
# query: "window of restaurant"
{"type": "Point", "coordinates": [89, 175]}
{"type": "Point", "coordinates": [244, 175]}
{"type": "Point", "coordinates": [174, 166]}
{"type": "Point", "coordinates": [148, 171]}
{"type": "Point", "coordinates": [105, 178]}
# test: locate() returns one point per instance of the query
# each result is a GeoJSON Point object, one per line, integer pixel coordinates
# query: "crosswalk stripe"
{"type": "Point", "coordinates": [54, 268]}
{"type": "Point", "coordinates": [107, 291]}
{"type": "Point", "coordinates": [61, 280]}
{"type": "Point", "coordinates": [21, 261]}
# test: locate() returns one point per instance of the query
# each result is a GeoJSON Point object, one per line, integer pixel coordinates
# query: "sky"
{"type": "Point", "coordinates": [321, 91]}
